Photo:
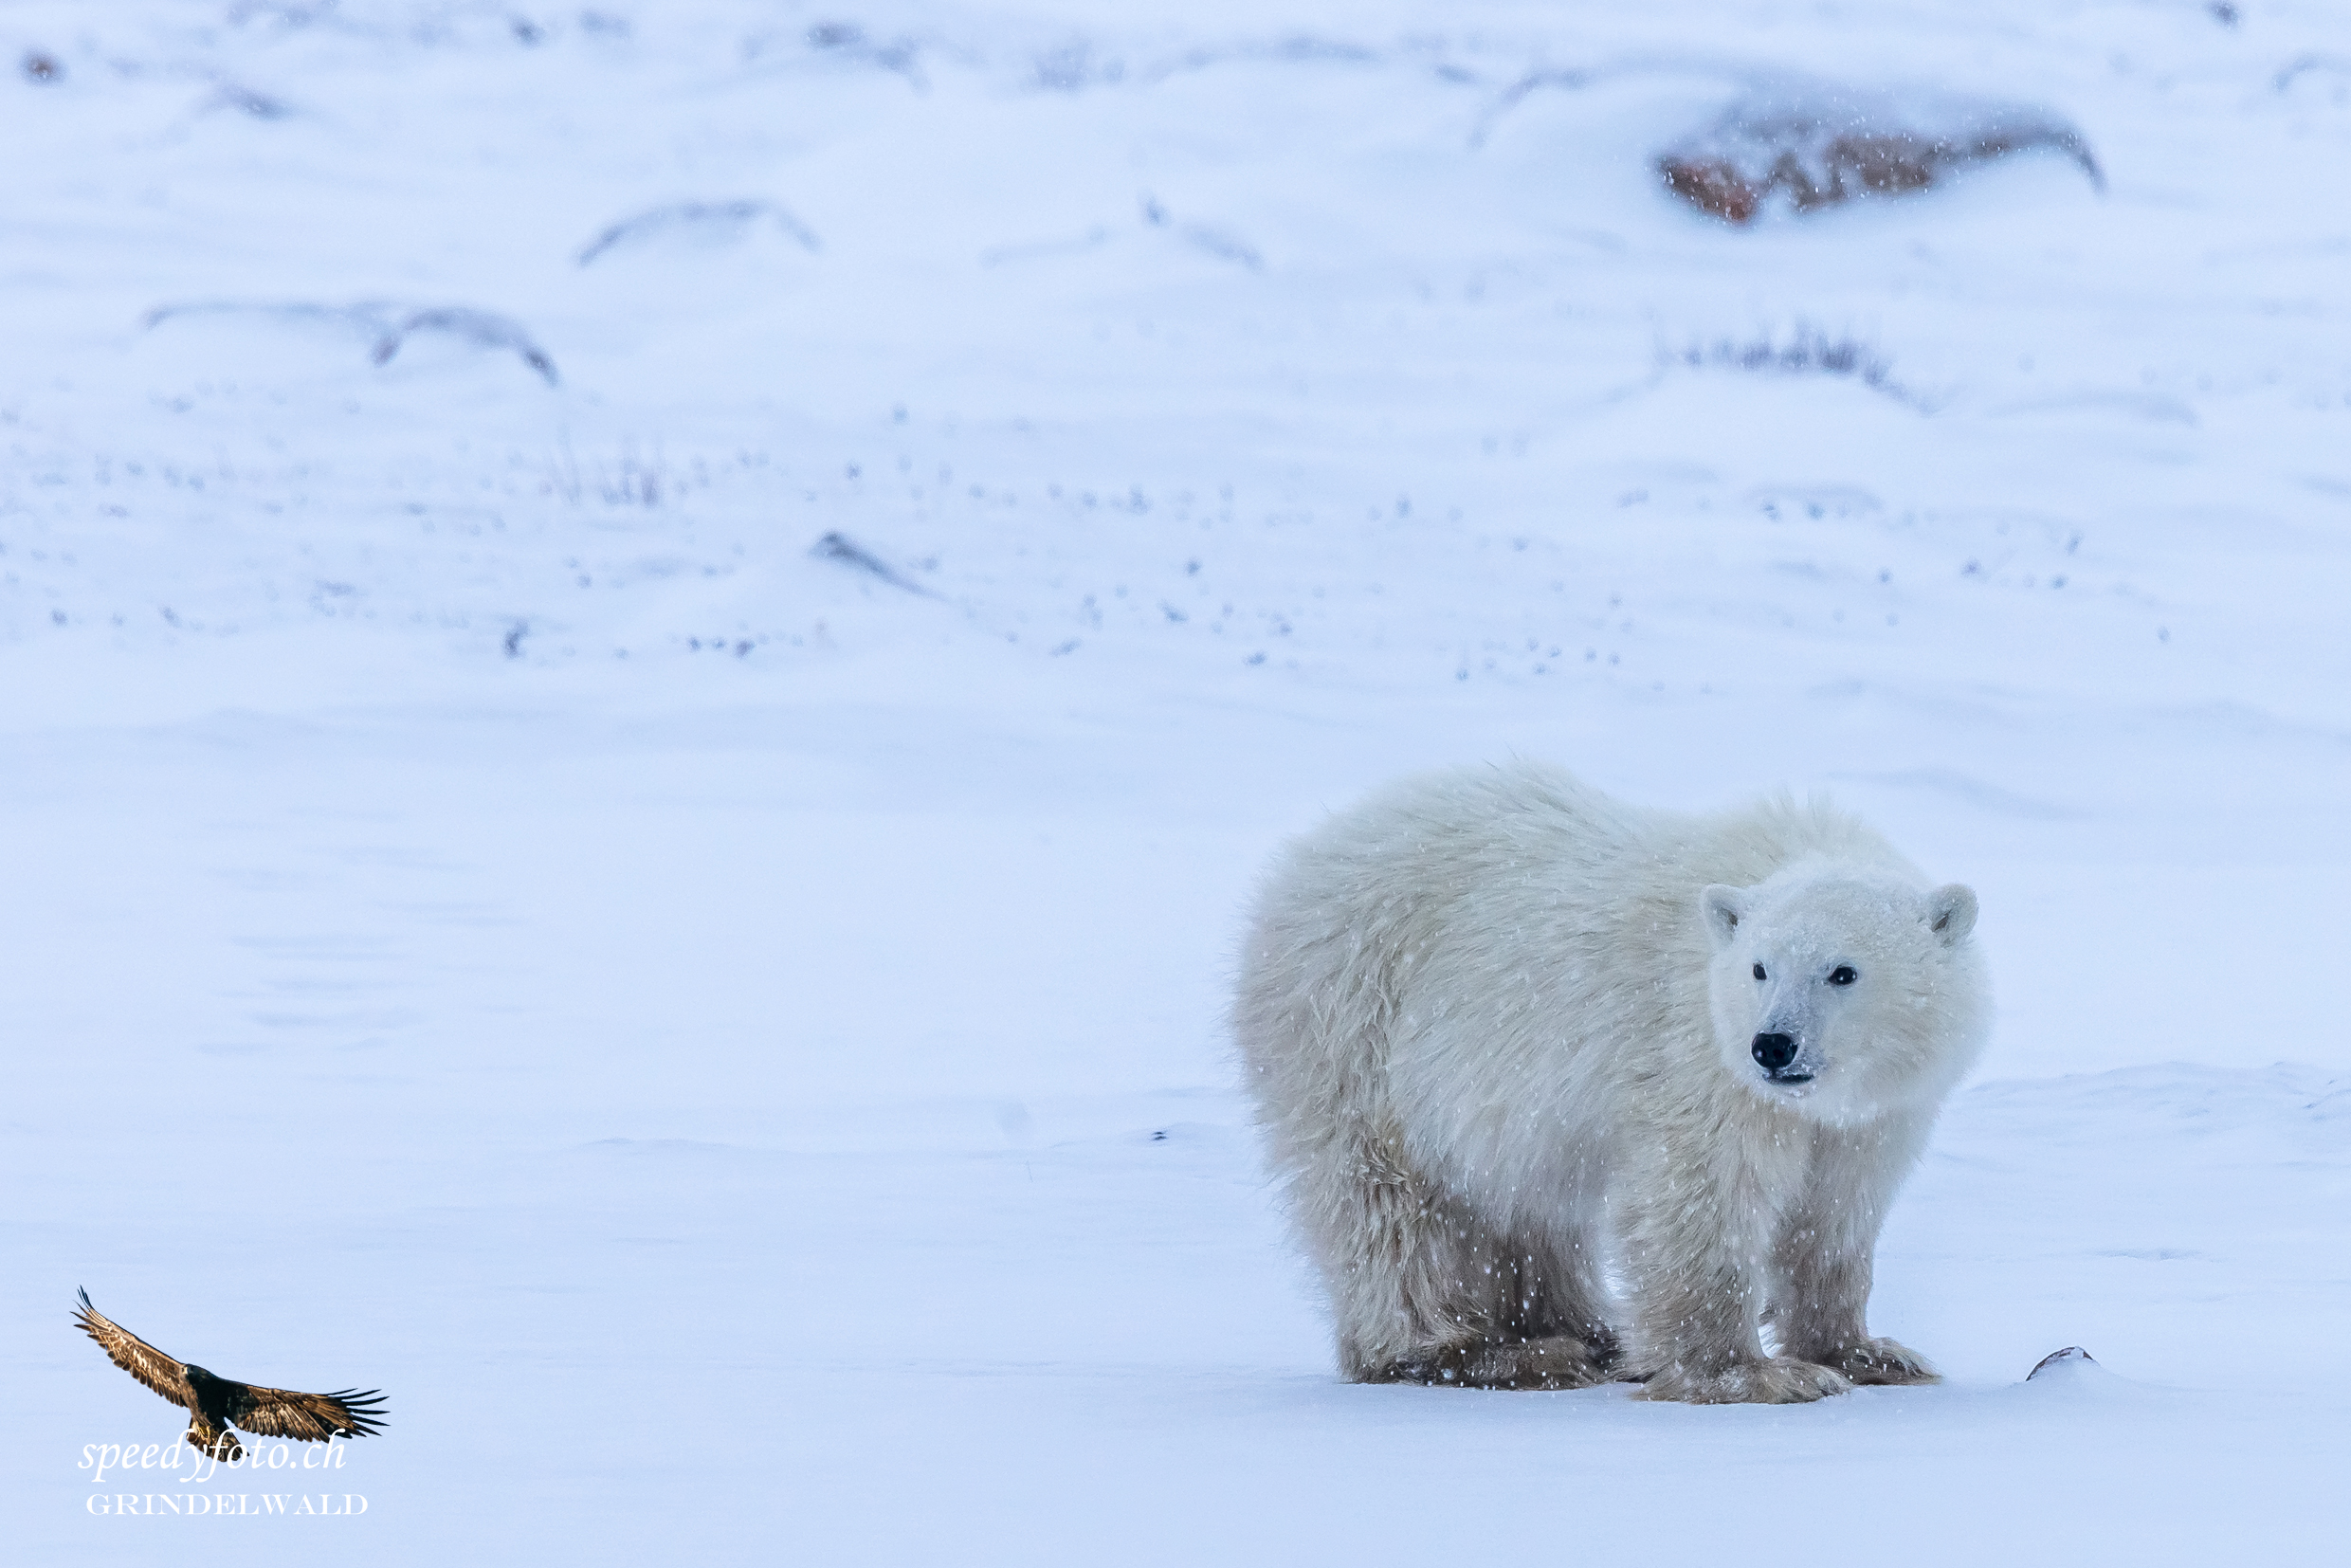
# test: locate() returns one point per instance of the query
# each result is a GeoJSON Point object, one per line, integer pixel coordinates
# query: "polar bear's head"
{"type": "Point", "coordinates": [1842, 993]}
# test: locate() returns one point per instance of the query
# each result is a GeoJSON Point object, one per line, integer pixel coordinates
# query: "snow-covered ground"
{"type": "Point", "coordinates": [727, 1037]}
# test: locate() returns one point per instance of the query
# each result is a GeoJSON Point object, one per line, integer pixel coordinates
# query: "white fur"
{"type": "Point", "coordinates": [1502, 1028]}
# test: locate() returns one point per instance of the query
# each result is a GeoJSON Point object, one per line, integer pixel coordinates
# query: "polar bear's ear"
{"type": "Point", "coordinates": [1724, 907]}
{"type": "Point", "coordinates": [1951, 912]}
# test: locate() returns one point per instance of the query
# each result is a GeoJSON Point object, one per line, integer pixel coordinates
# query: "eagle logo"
{"type": "Point", "coordinates": [215, 1404]}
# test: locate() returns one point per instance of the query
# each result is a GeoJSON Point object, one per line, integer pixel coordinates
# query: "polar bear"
{"type": "Point", "coordinates": [1511, 1039]}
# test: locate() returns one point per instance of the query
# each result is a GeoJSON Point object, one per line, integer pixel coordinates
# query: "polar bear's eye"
{"type": "Point", "coordinates": [1843, 975]}
{"type": "Point", "coordinates": [1759, 972]}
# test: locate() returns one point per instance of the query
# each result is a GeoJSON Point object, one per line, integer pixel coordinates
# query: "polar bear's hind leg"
{"type": "Point", "coordinates": [1428, 1293]}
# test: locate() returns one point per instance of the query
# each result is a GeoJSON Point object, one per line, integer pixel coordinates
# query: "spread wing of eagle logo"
{"type": "Point", "coordinates": [215, 1404]}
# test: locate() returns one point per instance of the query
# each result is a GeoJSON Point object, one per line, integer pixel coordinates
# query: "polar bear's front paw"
{"type": "Point", "coordinates": [1782, 1380]}
{"type": "Point", "coordinates": [1880, 1362]}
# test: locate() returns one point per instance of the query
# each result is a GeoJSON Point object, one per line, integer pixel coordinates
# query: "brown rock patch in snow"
{"type": "Point", "coordinates": [1817, 148]}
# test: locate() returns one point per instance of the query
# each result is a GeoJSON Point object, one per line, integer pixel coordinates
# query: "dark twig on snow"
{"type": "Point", "coordinates": [479, 327]}
{"type": "Point", "coordinates": [720, 220]}
{"type": "Point", "coordinates": [846, 44]}
{"type": "Point", "coordinates": [382, 325]}
{"type": "Point", "coordinates": [1220, 243]}
{"type": "Point", "coordinates": [2072, 1355]}
{"type": "Point", "coordinates": [847, 552]}
{"type": "Point", "coordinates": [1808, 351]}
{"type": "Point", "coordinates": [231, 94]}
{"type": "Point", "coordinates": [1518, 92]}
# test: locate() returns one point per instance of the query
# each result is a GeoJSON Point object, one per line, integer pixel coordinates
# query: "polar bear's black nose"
{"type": "Point", "coordinates": [1773, 1052]}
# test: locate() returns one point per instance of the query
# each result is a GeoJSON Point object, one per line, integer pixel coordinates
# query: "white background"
{"type": "Point", "coordinates": [488, 914]}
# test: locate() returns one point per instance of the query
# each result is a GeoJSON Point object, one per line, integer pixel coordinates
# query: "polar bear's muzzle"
{"type": "Point", "coordinates": [1775, 1053]}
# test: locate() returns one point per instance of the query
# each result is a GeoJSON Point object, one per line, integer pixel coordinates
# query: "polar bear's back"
{"type": "Point", "coordinates": [1438, 859]}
